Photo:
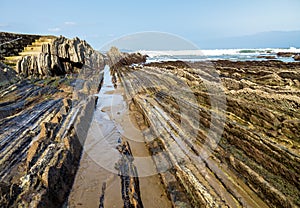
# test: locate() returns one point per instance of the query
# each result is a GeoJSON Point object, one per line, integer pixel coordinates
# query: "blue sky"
{"type": "Point", "coordinates": [101, 21]}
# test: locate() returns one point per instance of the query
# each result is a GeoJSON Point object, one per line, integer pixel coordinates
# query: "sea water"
{"type": "Point", "coordinates": [219, 54]}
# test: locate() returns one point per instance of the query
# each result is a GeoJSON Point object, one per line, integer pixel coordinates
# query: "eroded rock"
{"type": "Point", "coordinates": [40, 120]}
{"type": "Point", "coordinates": [258, 153]}
{"type": "Point", "coordinates": [7, 76]}
{"type": "Point", "coordinates": [117, 58]}
{"type": "Point", "coordinates": [297, 57]}
{"type": "Point", "coordinates": [62, 56]}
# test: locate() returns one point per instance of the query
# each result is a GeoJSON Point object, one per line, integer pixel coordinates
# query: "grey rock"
{"type": "Point", "coordinates": [7, 75]}
{"type": "Point", "coordinates": [62, 56]}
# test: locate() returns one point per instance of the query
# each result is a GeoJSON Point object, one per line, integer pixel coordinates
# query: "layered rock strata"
{"type": "Point", "coordinates": [12, 44]}
{"type": "Point", "coordinates": [7, 76]}
{"type": "Point", "coordinates": [62, 56]}
{"type": "Point", "coordinates": [44, 123]}
{"type": "Point", "coordinates": [129, 178]}
{"type": "Point", "coordinates": [222, 134]}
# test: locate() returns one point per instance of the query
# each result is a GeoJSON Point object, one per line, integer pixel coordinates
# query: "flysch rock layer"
{"type": "Point", "coordinates": [254, 162]}
{"type": "Point", "coordinates": [43, 122]}
{"type": "Point", "coordinates": [62, 56]}
{"type": "Point", "coordinates": [11, 44]}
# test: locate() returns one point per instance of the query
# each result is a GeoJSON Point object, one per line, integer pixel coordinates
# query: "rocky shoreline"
{"type": "Point", "coordinates": [255, 162]}
{"type": "Point", "coordinates": [221, 133]}
{"type": "Point", "coordinates": [46, 107]}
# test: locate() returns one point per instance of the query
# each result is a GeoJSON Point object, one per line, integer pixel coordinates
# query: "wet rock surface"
{"type": "Point", "coordinates": [286, 54]}
{"type": "Point", "coordinates": [266, 57]}
{"type": "Point", "coordinates": [129, 178]}
{"type": "Point", "coordinates": [297, 57]}
{"type": "Point", "coordinates": [43, 123]}
{"type": "Point", "coordinates": [254, 162]}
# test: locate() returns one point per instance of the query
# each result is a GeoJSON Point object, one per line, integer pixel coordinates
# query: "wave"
{"type": "Point", "coordinates": [219, 52]}
{"type": "Point", "coordinates": [216, 54]}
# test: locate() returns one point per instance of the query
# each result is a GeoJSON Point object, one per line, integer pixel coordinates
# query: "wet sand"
{"type": "Point", "coordinates": [114, 120]}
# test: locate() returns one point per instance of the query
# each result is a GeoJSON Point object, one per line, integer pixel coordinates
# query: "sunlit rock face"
{"type": "Point", "coordinates": [59, 57]}
{"type": "Point", "coordinates": [256, 160]}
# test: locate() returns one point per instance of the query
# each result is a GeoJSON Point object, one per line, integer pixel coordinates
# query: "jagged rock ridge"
{"type": "Point", "coordinates": [44, 122]}
{"type": "Point", "coordinates": [63, 56]}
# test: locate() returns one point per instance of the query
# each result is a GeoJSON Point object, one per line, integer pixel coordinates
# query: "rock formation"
{"type": "Point", "coordinates": [117, 58]}
{"type": "Point", "coordinates": [62, 57]}
{"type": "Point", "coordinates": [266, 57]}
{"type": "Point", "coordinates": [252, 106]}
{"type": "Point", "coordinates": [297, 57]}
{"type": "Point", "coordinates": [7, 76]}
{"type": "Point", "coordinates": [286, 54]}
{"type": "Point", "coordinates": [44, 122]}
{"type": "Point", "coordinates": [129, 178]}
{"type": "Point", "coordinates": [12, 44]}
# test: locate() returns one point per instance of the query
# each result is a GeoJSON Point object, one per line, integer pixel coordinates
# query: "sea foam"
{"type": "Point", "coordinates": [215, 54]}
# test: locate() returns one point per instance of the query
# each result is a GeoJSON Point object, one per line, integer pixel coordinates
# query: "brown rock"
{"type": "Point", "coordinates": [285, 54]}
{"type": "Point", "coordinates": [297, 57]}
{"type": "Point", "coordinates": [118, 59]}
{"type": "Point", "coordinates": [266, 57]}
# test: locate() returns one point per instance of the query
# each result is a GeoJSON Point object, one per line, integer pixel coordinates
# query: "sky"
{"type": "Point", "coordinates": [198, 21]}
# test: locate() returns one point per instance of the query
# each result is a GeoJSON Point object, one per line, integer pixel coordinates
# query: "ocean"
{"type": "Point", "coordinates": [218, 54]}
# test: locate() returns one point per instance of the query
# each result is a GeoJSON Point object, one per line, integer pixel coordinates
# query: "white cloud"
{"type": "Point", "coordinates": [70, 23]}
{"type": "Point", "coordinates": [56, 29]}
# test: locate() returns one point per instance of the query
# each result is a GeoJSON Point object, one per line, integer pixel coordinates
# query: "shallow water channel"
{"type": "Point", "coordinates": [97, 176]}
